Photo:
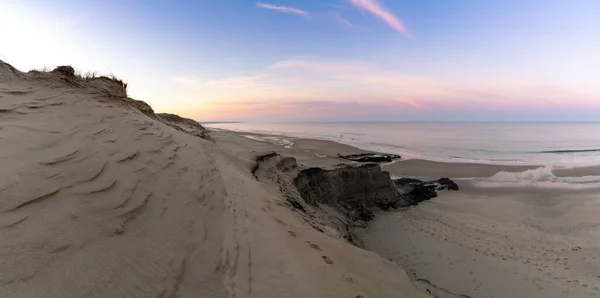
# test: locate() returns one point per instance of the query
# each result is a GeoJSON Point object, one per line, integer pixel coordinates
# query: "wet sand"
{"type": "Point", "coordinates": [497, 242]}
{"type": "Point", "coordinates": [489, 239]}
{"type": "Point", "coordinates": [100, 197]}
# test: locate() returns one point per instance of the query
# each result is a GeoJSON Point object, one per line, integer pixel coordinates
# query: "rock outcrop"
{"type": "Point", "coordinates": [344, 196]}
{"type": "Point", "coordinates": [440, 184]}
{"type": "Point", "coordinates": [99, 198]}
{"type": "Point", "coordinates": [355, 190]}
{"type": "Point", "coordinates": [417, 191]}
{"type": "Point", "coordinates": [370, 157]}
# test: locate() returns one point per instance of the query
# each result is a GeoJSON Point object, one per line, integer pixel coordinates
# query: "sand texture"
{"type": "Point", "coordinates": [101, 198]}
{"type": "Point", "coordinates": [543, 243]}
{"type": "Point", "coordinates": [490, 238]}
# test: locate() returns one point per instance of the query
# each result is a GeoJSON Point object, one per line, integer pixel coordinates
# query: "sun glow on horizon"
{"type": "Point", "coordinates": [343, 60]}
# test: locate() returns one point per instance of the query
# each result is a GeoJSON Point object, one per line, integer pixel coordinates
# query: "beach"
{"type": "Point", "coordinates": [541, 238]}
{"type": "Point", "coordinates": [301, 149]}
{"type": "Point", "coordinates": [103, 197]}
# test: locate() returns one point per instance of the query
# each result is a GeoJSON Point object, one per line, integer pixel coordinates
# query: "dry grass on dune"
{"type": "Point", "coordinates": [114, 88]}
{"type": "Point", "coordinates": [101, 197]}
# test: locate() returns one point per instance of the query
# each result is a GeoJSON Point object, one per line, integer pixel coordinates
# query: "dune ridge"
{"type": "Point", "coordinates": [101, 197]}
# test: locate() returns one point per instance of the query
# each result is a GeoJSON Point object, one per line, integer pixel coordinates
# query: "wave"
{"type": "Point", "coordinates": [540, 177]}
{"type": "Point", "coordinates": [567, 151]}
{"type": "Point", "coordinates": [533, 175]}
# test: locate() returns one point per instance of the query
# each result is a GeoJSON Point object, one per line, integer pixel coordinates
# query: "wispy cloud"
{"type": "Point", "coordinates": [313, 110]}
{"type": "Point", "coordinates": [308, 88]}
{"type": "Point", "coordinates": [320, 66]}
{"type": "Point", "coordinates": [343, 20]}
{"type": "Point", "coordinates": [376, 8]}
{"type": "Point", "coordinates": [235, 82]}
{"type": "Point", "coordinates": [285, 9]}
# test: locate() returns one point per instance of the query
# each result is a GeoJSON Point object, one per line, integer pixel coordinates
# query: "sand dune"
{"type": "Point", "coordinates": [498, 236]}
{"type": "Point", "coordinates": [99, 197]}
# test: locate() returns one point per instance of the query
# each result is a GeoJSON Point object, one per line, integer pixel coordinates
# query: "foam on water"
{"type": "Point", "coordinates": [539, 177]}
{"type": "Point", "coordinates": [534, 175]}
{"type": "Point", "coordinates": [488, 143]}
{"type": "Point", "coordinates": [542, 176]}
{"type": "Point", "coordinates": [280, 141]}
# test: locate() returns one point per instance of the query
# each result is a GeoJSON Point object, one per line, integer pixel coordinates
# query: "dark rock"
{"type": "Point", "coordinates": [370, 157]}
{"type": "Point", "coordinates": [418, 191]}
{"type": "Point", "coordinates": [263, 157]}
{"type": "Point", "coordinates": [344, 196]}
{"type": "Point", "coordinates": [357, 212]}
{"type": "Point", "coordinates": [295, 204]}
{"type": "Point", "coordinates": [352, 187]}
{"type": "Point", "coordinates": [402, 182]}
{"type": "Point", "coordinates": [419, 194]}
{"type": "Point", "coordinates": [446, 183]}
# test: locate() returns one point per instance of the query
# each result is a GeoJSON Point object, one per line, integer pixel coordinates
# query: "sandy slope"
{"type": "Point", "coordinates": [99, 200]}
{"type": "Point", "coordinates": [475, 242]}
{"type": "Point", "coordinates": [490, 238]}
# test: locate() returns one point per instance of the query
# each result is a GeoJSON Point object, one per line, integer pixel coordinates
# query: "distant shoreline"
{"type": "Point", "coordinates": [406, 156]}
{"type": "Point", "coordinates": [417, 122]}
{"type": "Point", "coordinates": [472, 242]}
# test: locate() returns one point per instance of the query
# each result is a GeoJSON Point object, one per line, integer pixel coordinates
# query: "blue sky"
{"type": "Point", "coordinates": [326, 60]}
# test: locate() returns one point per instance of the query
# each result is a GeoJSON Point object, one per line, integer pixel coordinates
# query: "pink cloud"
{"type": "Point", "coordinates": [308, 88]}
{"type": "Point", "coordinates": [343, 20]}
{"type": "Point", "coordinates": [236, 82]}
{"type": "Point", "coordinates": [286, 9]}
{"type": "Point", "coordinates": [376, 8]}
{"type": "Point", "coordinates": [297, 110]}
{"type": "Point", "coordinates": [413, 102]}
{"type": "Point", "coordinates": [321, 66]}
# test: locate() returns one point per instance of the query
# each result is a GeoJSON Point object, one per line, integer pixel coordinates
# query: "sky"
{"type": "Point", "coordinates": [318, 60]}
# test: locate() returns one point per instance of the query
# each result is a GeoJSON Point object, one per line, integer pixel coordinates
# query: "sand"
{"type": "Point", "coordinates": [97, 199]}
{"type": "Point", "coordinates": [476, 242]}
{"type": "Point", "coordinates": [490, 239]}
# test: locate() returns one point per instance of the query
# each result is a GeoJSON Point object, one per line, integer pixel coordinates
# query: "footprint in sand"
{"type": "Point", "coordinates": [313, 246]}
{"type": "Point", "coordinates": [327, 260]}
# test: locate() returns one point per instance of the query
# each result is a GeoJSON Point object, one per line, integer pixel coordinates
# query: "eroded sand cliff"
{"type": "Point", "coordinates": [100, 197]}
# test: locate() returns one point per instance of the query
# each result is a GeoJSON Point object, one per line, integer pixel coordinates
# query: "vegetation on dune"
{"type": "Point", "coordinates": [141, 106]}
{"type": "Point", "coordinates": [114, 88]}
{"type": "Point", "coordinates": [171, 117]}
{"type": "Point", "coordinates": [180, 123]}
{"type": "Point", "coordinates": [70, 74]}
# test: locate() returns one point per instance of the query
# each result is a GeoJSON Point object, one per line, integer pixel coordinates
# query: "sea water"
{"type": "Point", "coordinates": [492, 143]}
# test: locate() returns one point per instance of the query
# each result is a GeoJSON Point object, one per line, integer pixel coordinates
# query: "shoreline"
{"type": "Point", "coordinates": [475, 241]}
{"type": "Point", "coordinates": [406, 156]}
{"type": "Point", "coordinates": [120, 201]}
{"type": "Point", "coordinates": [179, 212]}
{"type": "Point", "coordinates": [417, 167]}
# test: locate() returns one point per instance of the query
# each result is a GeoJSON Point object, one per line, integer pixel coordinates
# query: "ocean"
{"type": "Point", "coordinates": [492, 143]}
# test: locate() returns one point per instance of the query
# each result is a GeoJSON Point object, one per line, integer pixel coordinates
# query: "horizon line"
{"type": "Point", "coordinates": [399, 121]}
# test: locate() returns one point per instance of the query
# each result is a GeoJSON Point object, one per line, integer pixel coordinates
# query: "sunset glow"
{"type": "Point", "coordinates": [326, 61]}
